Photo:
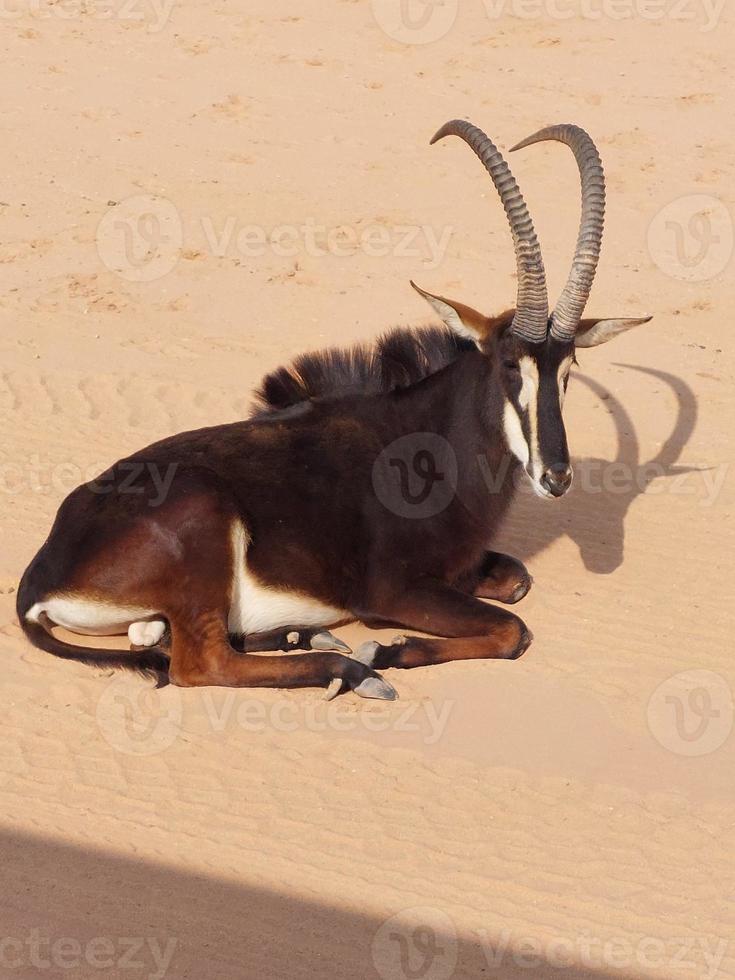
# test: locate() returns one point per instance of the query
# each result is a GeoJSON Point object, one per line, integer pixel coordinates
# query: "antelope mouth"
{"type": "Point", "coordinates": [539, 489]}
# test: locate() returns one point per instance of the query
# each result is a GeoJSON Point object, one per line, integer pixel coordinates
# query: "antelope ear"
{"type": "Point", "coordinates": [591, 333]}
{"type": "Point", "coordinates": [463, 320]}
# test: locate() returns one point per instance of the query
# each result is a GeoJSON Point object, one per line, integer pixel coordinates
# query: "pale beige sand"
{"type": "Point", "coordinates": [550, 806]}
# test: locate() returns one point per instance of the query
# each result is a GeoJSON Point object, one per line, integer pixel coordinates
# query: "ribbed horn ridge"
{"type": "Point", "coordinates": [531, 318]}
{"type": "Point", "coordinates": [568, 311]}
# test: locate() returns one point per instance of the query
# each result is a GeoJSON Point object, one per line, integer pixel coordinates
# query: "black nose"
{"type": "Point", "coordinates": [557, 479]}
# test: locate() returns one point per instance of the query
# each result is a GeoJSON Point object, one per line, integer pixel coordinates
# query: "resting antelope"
{"type": "Point", "coordinates": [281, 526]}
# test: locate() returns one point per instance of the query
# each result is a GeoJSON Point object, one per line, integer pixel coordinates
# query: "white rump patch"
{"type": "Point", "coordinates": [88, 617]}
{"type": "Point", "coordinates": [255, 608]}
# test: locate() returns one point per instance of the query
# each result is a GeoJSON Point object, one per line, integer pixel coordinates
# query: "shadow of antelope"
{"type": "Point", "coordinates": [593, 513]}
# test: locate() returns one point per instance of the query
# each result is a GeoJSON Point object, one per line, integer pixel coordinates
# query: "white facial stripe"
{"type": "Point", "coordinates": [529, 379]}
{"type": "Point", "coordinates": [529, 401]}
{"type": "Point", "coordinates": [514, 433]}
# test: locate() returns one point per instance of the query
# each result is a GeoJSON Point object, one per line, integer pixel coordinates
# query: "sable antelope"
{"type": "Point", "coordinates": [293, 521]}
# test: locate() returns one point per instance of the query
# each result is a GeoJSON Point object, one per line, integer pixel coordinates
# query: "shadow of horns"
{"type": "Point", "coordinates": [594, 511]}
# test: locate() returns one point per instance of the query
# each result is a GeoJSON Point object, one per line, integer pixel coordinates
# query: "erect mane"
{"type": "Point", "coordinates": [397, 359]}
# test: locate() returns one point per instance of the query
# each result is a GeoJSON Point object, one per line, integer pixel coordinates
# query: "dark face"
{"type": "Point", "coordinates": [534, 379]}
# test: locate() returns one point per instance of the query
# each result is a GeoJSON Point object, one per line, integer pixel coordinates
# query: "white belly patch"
{"type": "Point", "coordinates": [88, 617]}
{"type": "Point", "coordinates": [255, 608]}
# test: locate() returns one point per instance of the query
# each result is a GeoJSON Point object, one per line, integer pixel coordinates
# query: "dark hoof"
{"type": "Point", "coordinates": [523, 644]}
{"type": "Point", "coordinates": [520, 591]}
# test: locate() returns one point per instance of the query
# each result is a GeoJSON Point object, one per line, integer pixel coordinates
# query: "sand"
{"type": "Point", "coordinates": [569, 814]}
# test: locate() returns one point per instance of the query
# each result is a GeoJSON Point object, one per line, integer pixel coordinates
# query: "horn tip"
{"type": "Point", "coordinates": [448, 129]}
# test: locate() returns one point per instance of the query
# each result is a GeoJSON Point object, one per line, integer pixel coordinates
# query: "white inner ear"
{"type": "Point", "coordinates": [605, 330]}
{"type": "Point", "coordinates": [450, 316]}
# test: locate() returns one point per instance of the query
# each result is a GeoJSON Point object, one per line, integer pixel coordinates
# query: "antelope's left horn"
{"type": "Point", "coordinates": [570, 307]}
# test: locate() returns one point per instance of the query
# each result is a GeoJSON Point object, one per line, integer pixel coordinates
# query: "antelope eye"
{"type": "Point", "coordinates": [512, 365]}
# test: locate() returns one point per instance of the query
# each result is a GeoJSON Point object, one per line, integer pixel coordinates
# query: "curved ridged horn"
{"type": "Point", "coordinates": [569, 309]}
{"type": "Point", "coordinates": [531, 318]}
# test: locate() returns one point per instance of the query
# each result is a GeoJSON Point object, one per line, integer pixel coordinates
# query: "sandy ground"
{"type": "Point", "coordinates": [566, 815]}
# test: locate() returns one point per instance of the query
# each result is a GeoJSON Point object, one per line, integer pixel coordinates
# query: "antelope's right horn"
{"type": "Point", "coordinates": [531, 318]}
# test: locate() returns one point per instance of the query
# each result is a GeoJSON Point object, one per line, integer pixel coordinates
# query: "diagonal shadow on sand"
{"type": "Point", "coordinates": [215, 929]}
